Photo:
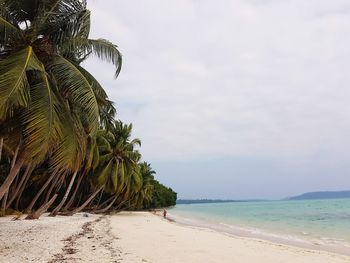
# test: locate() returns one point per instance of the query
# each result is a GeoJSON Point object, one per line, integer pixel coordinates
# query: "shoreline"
{"type": "Point", "coordinates": [258, 234]}
{"type": "Point", "coordinates": [138, 237]}
{"type": "Point", "coordinates": [170, 241]}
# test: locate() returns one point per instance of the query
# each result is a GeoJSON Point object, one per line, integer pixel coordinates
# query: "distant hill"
{"type": "Point", "coordinates": [321, 195]}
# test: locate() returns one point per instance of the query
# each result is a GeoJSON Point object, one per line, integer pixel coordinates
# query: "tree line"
{"type": "Point", "coordinates": [62, 149]}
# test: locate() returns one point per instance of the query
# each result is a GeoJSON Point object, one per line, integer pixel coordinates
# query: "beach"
{"type": "Point", "coordinates": [138, 237]}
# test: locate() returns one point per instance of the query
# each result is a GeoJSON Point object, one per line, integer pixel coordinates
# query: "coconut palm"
{"type": "Point", "coordinates": [143, 196]}
{"type": "Point", "coordinates": [118, 168]}
{"type": "Point", "coordinates": [56, 103]}
{"type": "Point", "coordinates": [59, 142]}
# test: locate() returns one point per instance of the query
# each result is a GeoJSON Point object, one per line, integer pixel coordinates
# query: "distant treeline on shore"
{"type": "Point", "coordinates": [206, 201]}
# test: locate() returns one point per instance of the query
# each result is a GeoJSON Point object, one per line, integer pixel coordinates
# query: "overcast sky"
{"type": "Point", "coordinates": [233, 98]}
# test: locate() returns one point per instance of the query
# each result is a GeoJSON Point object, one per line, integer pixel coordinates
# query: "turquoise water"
{"type": "Point", "coordinates": [323, 221]}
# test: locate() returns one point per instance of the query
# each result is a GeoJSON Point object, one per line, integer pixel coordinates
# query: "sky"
{"type": "Point", "coordinates": [233, 99]}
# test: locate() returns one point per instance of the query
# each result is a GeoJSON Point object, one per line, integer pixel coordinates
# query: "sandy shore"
{"type": "Point", "coordinates": [138, 237]}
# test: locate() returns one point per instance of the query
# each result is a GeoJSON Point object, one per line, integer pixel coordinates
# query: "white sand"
{"type": "Point", "coordinates": [148, 238]}
{"type": "Point", "coordinates": [57, 239]}
{"type": "Point", "coordinates": [138, 237]}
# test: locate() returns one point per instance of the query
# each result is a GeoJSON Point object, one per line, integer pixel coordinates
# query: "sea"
{"type": "Point", "coordinates": [314, 224]}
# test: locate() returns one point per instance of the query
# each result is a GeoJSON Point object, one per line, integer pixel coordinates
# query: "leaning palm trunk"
{"type": "Point", "coordinates": [19, 186]}
{"type": "Point", "coordinates": [21, 192]}
{"type": "Point", "coordinates": [71, 200]}
{"type": "Point", "coordinates": [125, 201]}
{"type": "Point", "coordinates": [103, 210]}
{"type": "Point", "coordinates": [58, 208]}
{"type": "Point", "coordinates": [77, 210]}
{"type": "Point", "coordinates": [99, 199]}
{"type": "Point", "coordinates": [55, 183]}
{"type": "Point", "coordinates": [13, 162]}
{"type": "Point", "coordinates": [3, 205]}
{"type": "Point", "coordinates": [12, 175]}
{"type": "Point", "coordinates": [31, 205]}
{"type": "Point", "coordinates": [14, 159]}
{"type": "Point", "coordinates": [122, 203]}
{"type": "Point", "coordinates": [42, 209]}
{"type": "Point", "coordinates": [1, 145]}
{"type": "Point", "coordinates": [104, 203]}
{"type": "Point", "coordinates": [7, 183]}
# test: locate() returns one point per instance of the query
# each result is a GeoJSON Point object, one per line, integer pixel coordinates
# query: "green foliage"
{"type": "Point", "coordinates": [163, 196]}
{"type": "Point", "coordinates": [56, 119]}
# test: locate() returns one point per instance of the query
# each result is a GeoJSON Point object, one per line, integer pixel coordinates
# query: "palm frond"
{"type": "Point", "coordinates": [67, 26]}
{"type": "Point", "coordinates": [102, 48]}
{"type": "Point", "coordinates": [104, 158]}
{"type": "Point", "coordinates": [107, 110]}
{"type": "Point", "coordinates": [103, 175]}
{"type": "Point", "coordinates": [96, 158]}
{"type": "Point", "coordinates": [8, 32]}
{"type": "Point", "coordinates": [100, 93]}
{"type": "Point", "coordinates": [42, 128]}
{"type": "Point", "coordinates": [56, 16]}
{"type": "Point", "coordinates": [71, 147]}
{"type": "Point", "coordinates": [13, 78]}
{"type": "Point", "coordinates": [76, 88]}
{"type": "Point", "coordinates": [107, 115]}
{"type": "Point", "coordinates": [136, 141]}
{"type": "Point", "coordinates": [90, 152]}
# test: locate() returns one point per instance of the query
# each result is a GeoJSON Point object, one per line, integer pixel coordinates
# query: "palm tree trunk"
{"type": "Point", "coordinates": [1, 145]}
{"type": "Point", "coordinates": [42, 209]}
{"type": "Point", "coordinates": [12, 175]}
{"type": "Point", "coordinates": [14, 159]}
{"type": "Point", "coordinates": [31, 205]}
{"type": "Point", "coordinates": [19, 186]}
{"type": "Point", "coordinates": [21, 192]}
{"type": "Point", "coordinates": [3, 205]}
{"type": "Point", "coordinates": [77, 210]}
{"type": "Point", "coordinates": [98, 207]}
{"type": "Point", "coordinates": [71, 200]}
{"type": "Point", "coordinates": [99, 199]}
{"type": "Point", "coordinates": [122, 203]}
{"type": "Point", "coordinates": [58, 208]}
{"type": "Point", "coordinates": [107, 207]}
{"type": "Point", "coordinates": [53, 185]}
{"type": "Point", "coordinates": [125, 201]}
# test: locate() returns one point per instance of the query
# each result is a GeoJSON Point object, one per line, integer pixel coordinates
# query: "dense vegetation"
{"type": "Point", "coordinates": [61, 147]}
{"type": "Point", "coordinates": [162, 196]}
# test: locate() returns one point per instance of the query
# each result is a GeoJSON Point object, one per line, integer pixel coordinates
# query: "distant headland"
{"type": "Point", "coordinates": [321, 195]}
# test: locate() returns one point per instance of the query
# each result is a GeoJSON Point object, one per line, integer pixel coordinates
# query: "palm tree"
{"type": "Point", "coordinates": [118, 169]}
{"type": "Point", "coordinates": [143, 196]}
{"type": "Point", "coordinates": [56, 103]}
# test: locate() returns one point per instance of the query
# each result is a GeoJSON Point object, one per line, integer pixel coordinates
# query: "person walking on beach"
{"type": "Point", "coordinates": [164, 213]}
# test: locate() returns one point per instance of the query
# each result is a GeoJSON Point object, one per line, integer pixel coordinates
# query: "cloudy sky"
{"type": "Point", "coordinates": [233, 98]}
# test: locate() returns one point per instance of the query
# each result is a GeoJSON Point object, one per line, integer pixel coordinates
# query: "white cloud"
{"type": "Point", "coordinates": [205, 78]}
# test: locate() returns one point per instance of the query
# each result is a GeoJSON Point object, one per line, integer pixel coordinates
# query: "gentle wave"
{"type": "Point", "coordinates": [312, 223]}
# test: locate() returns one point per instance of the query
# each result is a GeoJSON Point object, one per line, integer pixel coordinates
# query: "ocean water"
{"type": "Point", "coordinates": [317, 222]}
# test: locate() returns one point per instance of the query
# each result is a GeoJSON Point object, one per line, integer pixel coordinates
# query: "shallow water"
{"type": "Point", "coordinates": [318, 222]}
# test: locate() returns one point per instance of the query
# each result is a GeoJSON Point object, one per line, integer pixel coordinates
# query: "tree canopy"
{"type": "Point", "coordinates": [61, 147]}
